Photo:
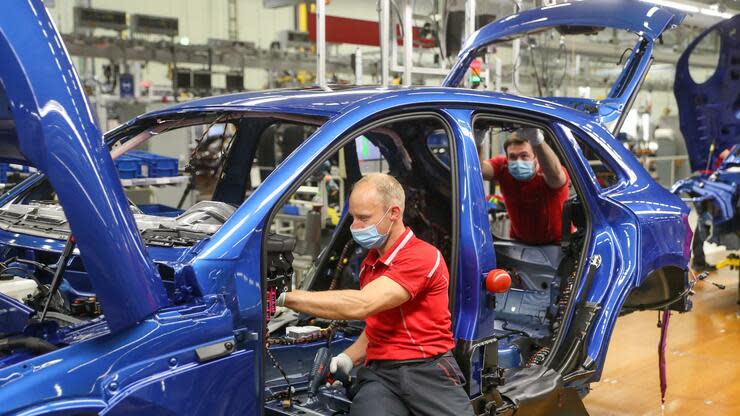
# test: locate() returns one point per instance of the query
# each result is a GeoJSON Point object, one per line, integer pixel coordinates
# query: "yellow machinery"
{"type": "Point", "coordinates": [733, 262]}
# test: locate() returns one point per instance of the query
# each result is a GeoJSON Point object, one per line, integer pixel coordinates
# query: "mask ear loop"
{"type": "Point", "coordinates": [389, 227]}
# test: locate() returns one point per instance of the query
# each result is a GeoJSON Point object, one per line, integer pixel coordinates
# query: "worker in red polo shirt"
{"type": "Point", "coordinates": [403, 299]}
{"type": "Point", "coordinates": [534, 185]}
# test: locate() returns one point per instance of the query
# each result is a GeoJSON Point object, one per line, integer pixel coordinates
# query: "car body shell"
{"type": "Point", "coordinates": [709, 114]}
{"type": "Point", "coordinates": [144, 357]}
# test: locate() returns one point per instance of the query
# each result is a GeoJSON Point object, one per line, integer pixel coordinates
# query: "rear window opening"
{"type": "Point", "coordinates": [530, 315]}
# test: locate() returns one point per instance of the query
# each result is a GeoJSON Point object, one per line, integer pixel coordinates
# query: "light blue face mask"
{"type": "Point", "coordinates": [369, 237]}
{"type": "Point", "coordinates": [521, 170]}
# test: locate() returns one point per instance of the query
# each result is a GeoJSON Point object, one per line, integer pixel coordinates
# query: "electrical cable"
{"type": "Point", "coordinates": [534, 65]}
{"type": "Point", "coordinates": [667, 303]}
{"type": "Point", "coordinates": [513, 331]}
{"type": "Point", "coordinates": [203, 136]}
{"type": "Point", "coordinates": [37, 264]}
{"type": "Point", "coordinates": [341, 263]}
{"type": "Point", "coordinates": [223, 153]}
{"type": "Point", "coordinates": [189, 167]}
{"type": "Point", "coordinates": [621, 57]}
{"type": "Point", "coordinates": [561, 49]}
{"type": "Point", "coordinates": [328, 332]}
{"type": "Point", "coordinates": [279, 367]}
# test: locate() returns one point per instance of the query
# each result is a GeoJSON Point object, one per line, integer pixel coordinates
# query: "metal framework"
{"type": "Point", "coordinates": [321, 43]}
{"type": "Point", "coordinates": [233, 15]}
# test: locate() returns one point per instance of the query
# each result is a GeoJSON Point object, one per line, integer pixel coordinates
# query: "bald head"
{"type": "Point", "coordinates": [383, 188]}
{"type": "Point", "coordinates": [378, 200]}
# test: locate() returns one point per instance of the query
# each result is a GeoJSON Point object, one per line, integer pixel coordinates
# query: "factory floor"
{"type": "Point", "coordinates": [702, 359]}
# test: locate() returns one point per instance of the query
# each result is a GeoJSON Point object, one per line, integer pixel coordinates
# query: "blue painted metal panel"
{"type": "Point", "coordinates": [222, 387]}
{"type": "Point", "coordinates": [307, 102]}
{"type": "Point", "coordinates": [710, 112]}
{"type": "Point", "coordinates": [702, 188]}
{"type": "Point", "coordinates": [102, 366]}
{"type": "Point", "coordinates": [658, 215]}
{"type": "Point", "coordinates": [57, 134]}
{"type": "Point", "coordinates": [13, 315]}
{"type": "Point", "coordinates": [636, 227]}
{"type": "Point", "coordinates": [721, 190]}
{"type": "Point", "coordinates": [473, 316]}
{"type": "Point", "coordinates": [65, 408]}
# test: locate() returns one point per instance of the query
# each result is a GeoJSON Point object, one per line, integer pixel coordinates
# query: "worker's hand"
{"type": "Point", "coordinates": [342, 363]}
{"type": "Point", "coordinates": [532, 135]}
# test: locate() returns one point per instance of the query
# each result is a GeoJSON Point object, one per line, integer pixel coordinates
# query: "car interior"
{"type": "Point", "coordinates": [528, 315]}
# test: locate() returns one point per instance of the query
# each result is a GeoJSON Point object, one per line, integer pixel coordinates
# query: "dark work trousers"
{"type": "Point", "coordinates": [701, 234]}
{"type": "Point", "coordinates": [429, 387]}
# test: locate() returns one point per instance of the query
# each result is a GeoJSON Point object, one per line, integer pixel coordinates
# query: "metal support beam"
{"type": "Point", "coordinates": [358, 68]}
{"type": "Point", "coordinates": [515, 51]}
{"type": "Point", "coordinates": [498, 74]}
{"type": "Point", "coordinates": [469, 18]}
{"type": "Point", "coordinates": [385, 20]}
{"type": "Point", "coordinates": [233, 22]}
{"type": "Point", "coordinates": [469, 26]}
{"type": "Point", "coordinates": [321, 43]}
{"type": "Point", "coordinates": [408, 41]}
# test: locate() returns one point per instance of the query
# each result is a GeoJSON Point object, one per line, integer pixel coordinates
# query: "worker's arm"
{"type": "Point", "coordinates": [379, 295]}
{"type": "Point", "coordinates": [486, 170]}
{"type": "Point", "coordinates": [358, 350]}
{"type": "Point", "coordinates": [550, 164]}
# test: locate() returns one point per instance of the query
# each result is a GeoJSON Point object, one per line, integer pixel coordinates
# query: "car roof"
{"type": "Point", "coordinates": [330, 103]}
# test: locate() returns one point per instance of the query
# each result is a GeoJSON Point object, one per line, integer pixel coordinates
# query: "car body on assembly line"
{"type": "Point", "coordinates": [709, 113]}
{"type": "Point", "coordinates": [176, 315]}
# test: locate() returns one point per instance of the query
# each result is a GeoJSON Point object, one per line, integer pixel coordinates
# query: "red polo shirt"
{"type": "Point", "coordinates": [535, 209]}
{"type": "Point", "coordinates": [421, 327]}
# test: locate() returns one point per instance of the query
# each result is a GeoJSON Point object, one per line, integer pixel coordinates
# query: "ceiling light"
{"type": "Point", "coordinates": [676, 5]}
{"type": "Point", "coordinates": [716, 13]}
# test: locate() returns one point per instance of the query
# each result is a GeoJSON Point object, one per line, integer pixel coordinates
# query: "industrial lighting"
{"type": "Point", "coordinates": [716, 13]}
{"type": "Point", "coordinates": [676, 5]}
{"type": "Point", "coordinates": [711, 11]}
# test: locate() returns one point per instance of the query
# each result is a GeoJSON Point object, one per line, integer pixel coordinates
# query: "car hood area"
{"type": "Point", "coordinates": [47, 123]}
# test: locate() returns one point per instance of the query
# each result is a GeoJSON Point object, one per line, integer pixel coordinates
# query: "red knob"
{"type": "Point", "coordinates": [498, 281]}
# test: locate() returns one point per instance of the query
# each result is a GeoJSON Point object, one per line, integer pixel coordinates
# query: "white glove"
{"type": "Point", "coordinates": [532, 135]}
{"type": "Point", "coordinates": [280, 301]}
{"type": "Point", "coordinates": [341, 362]}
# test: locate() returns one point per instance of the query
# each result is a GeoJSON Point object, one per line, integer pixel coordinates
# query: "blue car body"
{"type": "Point", "coordinates": [183, 330]}
{"type": "Point", "coordinates": [710, 123]}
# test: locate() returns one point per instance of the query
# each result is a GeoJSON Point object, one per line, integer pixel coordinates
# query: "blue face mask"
{"type": "Point", "coordinates": [369, 237]}
{"type": "Point", "coordinates": [521, 170]}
